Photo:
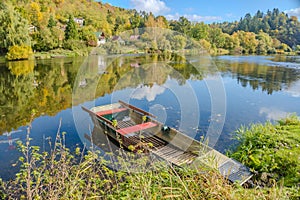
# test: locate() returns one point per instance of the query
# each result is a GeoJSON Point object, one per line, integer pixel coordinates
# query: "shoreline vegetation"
{"type": "Point", "coordinates": [45, 29]}
{"type": "Point", "coordinates": [270, 150]}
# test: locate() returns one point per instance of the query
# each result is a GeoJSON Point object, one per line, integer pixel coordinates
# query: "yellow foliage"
{"type": "Point", "coordinates": [35, 12]}
{"type": "Point", "coordinates": [23, 67]}
{"type": "Point", "coordinates": [44, 98]}
{"type": "Point", "coordinates": [58, 1]}
{"type": "Point", "coordinates": [205, 44]}
{"type": "Point", "coordinates": [150, 21]}
{"type": "Point", "coordinates": [160, 22]}
{"type": "Point", "coordinates": [17, 52]}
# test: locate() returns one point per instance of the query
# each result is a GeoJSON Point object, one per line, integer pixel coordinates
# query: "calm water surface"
{"type": "Point", "coordinates": [189, 93]}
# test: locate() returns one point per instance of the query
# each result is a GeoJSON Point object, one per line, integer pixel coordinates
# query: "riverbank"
{"type": "Point", "coordinates": [273, 151]}
{"type": "Point", "coordinates": [74, 175]}
{"type": "Point", "coordinates": [63, 53]}
{"type": "Point", "coordinates": [56, 53]}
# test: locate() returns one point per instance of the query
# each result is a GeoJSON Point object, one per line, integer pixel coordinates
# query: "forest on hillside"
{"type": "Point", "coordinates": [47, 25]}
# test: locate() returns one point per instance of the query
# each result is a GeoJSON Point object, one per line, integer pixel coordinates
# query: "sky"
{"type": "Point", "coordinates": [208, 10]}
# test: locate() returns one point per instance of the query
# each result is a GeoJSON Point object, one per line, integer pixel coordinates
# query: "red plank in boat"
{"type": "Point", "coordinates": [108, 112]}
{"type": "Point", "coordinates": [136, 128]}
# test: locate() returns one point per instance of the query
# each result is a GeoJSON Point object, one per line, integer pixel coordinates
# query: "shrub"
{"type": "Point", "coordinates": [272, 150]}
{"type": "Point", "coordinates": [22, 52]}
{"type": "Point", "coordinates": [74, 45]}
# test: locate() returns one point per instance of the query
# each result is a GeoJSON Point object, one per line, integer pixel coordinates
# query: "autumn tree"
{"type": "Point", "coordinates": [35, 14]}
{"type": "Point", "coordinates": [13, 28]}
{"type": "Point", "coordinates": [265, 43]}
{"type": "Point", "coordinates": [150, 22]}
{"type": "Point", "coordinates": [275, 23]}
{"type": "Point", "coordinates": [247, 41]}
{"type": "Point", "coordinates": [216, 37]}
{"type": "Point", "coordinates": [161, 22]}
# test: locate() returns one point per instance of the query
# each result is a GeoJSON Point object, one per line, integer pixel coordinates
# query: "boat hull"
{"type": "Point", "coordinates": [131, 131]}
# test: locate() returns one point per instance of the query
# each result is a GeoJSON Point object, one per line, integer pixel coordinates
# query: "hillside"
{"type": "Point", "coordinates": [47, 25]}
{"type": "Point", "coordinates": [275, 23]}
{"type": "Point", "coordinates": [43, 24]}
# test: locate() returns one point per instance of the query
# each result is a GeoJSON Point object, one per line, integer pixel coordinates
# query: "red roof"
{"type": "Point", "coordinates": [136, 128]}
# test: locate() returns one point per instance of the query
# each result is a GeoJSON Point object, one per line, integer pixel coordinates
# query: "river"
{"type": "Point", "coordinates": [204, 97]}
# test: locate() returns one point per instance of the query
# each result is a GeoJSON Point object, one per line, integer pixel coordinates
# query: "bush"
{"type": "Point", "coordinates": [271, 150]}
{"type": "Point", "coordinates": [17, 52]}
{"type": "Point", "coordinates": [73, 45]}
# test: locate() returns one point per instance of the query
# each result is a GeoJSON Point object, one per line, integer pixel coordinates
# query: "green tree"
{"type": "Point", "coordinates": [135, 20]}
{"type": "Point", "coordinates": [87, 34]}
{"type": "Point", "coordinates": [183, 25]}
{"type": "Point", "coordinates": [51, 22]}
{"type": "Point", "coordinates": [179, 42]}
{"type": "Point", "coordinates": [230, 43]}
{"type": "Point", "coordinates": [71, 31]}
{"type": "Point", "coordinates": [216, 37]}
{"type": "Point", "coordinates": [119, 25]}
{"type": "Point", "coordinates": [13, 28]}
{"type": "Point", "coordinates": [165, 45]}
{"type": "Point", "coordinates": [265, 43]}
{"type": "Point", "coordinates": [275, 23]}
{"type": "Point", "coordinates": [199, 31]}
{"type": "Point", "coordinates": [47, 39]}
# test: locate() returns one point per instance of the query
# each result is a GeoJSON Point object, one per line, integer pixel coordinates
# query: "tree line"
{"type": "Point", "coordinates": [45, 25]}
{"type": "Point", "coordinates": [275, 23]}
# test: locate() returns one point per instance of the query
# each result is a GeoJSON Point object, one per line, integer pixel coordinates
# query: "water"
{"type": "Point", "coordinates": [201, 96]}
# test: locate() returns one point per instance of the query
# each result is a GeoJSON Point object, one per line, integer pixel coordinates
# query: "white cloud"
{"type": "Point", "coordinates": [294, 89]}
{"type": "Point", "coordinates": [293, 12]}
{"type": "Point", "coordinates": [154, 6]}
{"type": "Point", "coordinates": [273, 113]}
{"type": "Point", "coordinates": [148, 92]}
{"type": "Point", "coordinates": [194, 17]}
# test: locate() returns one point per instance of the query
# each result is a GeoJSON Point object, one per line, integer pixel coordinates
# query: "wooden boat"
{"type": "Point", "coordinates": [136, 129]}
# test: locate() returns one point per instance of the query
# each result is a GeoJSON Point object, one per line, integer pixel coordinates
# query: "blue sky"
{"type": "Point", "coordinates": [208, 10]}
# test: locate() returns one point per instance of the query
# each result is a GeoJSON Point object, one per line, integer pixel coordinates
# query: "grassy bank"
{"type": "Point", "coordinates": [273, 151]}
{"type": "Point", "coordinates": [85, 51]}
{"type": "Point", "coordinates": [61, 174]}
{"type": "Point", "coordinates": [57, 53]}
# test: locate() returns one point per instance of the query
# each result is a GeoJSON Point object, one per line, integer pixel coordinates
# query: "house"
{"type": "Point", "coordinates": [100, 38]}
{"type": "Point", "coordinates": [134, 37]}
{"type": "Point", "coordinates": [63, 27]}
{"type": "Point", "coordinates": [79, 21]}
{"type": "Point", "coordinates": [83, 83]}
{"type": "Point", "coordinates": [117, 38]}
{"type": "Point", "coordinates": [135, 65]}
{"type": "Point", "coordinates": [32, 29]}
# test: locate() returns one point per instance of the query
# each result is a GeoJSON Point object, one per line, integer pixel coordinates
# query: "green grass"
{"type": "Point", "coordinates": [63, 52]}
{"type": "Point", "coordinates": [272, 150]}
{"type": "Point", "coordinates": [61, 174]}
